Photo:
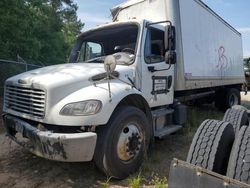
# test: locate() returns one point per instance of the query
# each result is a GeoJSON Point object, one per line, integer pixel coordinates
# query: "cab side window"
{"type": "Point", "coordinates": [90, 50]}
{"type": "Point", "coordinates": [154, 47]}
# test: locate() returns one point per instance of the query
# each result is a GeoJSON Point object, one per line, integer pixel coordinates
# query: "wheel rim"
{"type": "Point", "coordinates": [233, 100]}
{"type": "Point", "coordinates": [129, 143]}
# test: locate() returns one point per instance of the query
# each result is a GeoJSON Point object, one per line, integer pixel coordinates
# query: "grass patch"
{"type": "Point", "coordinates": [158, 182]}
{"type": "Point", "coordinates": [135, 181]}
{"type": "Point", "coordinates": [106, 183]}
{"type": "Point", "coordinates": [154, 180]}
{"type": "Point", "coordinates": [196, 115]}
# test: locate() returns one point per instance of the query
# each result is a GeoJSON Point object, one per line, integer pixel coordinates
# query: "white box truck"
{"type": "Point", "coordinates": [123, 84]}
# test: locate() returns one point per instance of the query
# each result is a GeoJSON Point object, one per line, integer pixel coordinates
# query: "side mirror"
{"type": "Point", "coordinates": [170, 57]}
{"type": "Point", "coordinates": [170, 38]}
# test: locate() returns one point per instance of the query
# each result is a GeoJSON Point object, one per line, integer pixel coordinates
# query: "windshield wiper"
{"type": "Point", "coordinates": [97, 59]}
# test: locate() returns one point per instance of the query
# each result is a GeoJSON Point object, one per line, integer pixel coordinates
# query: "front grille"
{"type": "Point", "coordinates": [25, 100]}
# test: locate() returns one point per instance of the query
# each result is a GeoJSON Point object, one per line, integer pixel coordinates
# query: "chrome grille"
{"type": "Point", "coordinates": [25, 100]}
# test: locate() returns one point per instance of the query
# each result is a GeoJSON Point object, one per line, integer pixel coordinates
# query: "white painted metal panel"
{"type": "Point", "coordinates": [209, 50]}
{"type": "Point", "coordinates": [153, 10]}
{"type": "Point", "coordinates": [212, 49]}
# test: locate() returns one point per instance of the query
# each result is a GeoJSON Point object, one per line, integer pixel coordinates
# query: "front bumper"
{"type": "Point", "coordinates": [73, 147]}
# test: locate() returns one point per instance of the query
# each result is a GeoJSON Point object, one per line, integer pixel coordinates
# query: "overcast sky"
{"type": "Point", "coordinates": [235, 12]}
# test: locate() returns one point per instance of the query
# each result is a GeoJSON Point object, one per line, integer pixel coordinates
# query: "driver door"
{"type": "Point", "coordinates": [157, 75]}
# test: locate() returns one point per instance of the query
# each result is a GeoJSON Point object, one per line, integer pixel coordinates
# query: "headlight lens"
{"type": "Point", "coordinates": [83, 108]}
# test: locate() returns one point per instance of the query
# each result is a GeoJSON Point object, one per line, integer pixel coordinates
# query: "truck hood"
{"type": "Point", "coordinates": [60, 80]}
{"type": "Point", "coordinates": [63, 74]}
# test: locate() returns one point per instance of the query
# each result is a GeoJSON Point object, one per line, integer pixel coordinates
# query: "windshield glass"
{"type": "Point", "coordinates": [94, 46]}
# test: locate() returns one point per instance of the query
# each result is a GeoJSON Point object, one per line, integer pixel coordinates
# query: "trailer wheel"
{"type": "Point", "coordinates": [233, 97]}
{"type": "Point", "coordinates": [227, 98]}
{"type": "Point", "coordinates": [211, 146]}
{"type": "Point", "coordinates": [122, 143]}
{"type": "Point", "coordinates": [239, 162]}
{"type": "Point", "coordinates": [237, 117]}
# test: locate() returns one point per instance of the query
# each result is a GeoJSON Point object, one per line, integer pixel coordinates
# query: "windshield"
{"type": "Point", "coordinates": [94, 46]}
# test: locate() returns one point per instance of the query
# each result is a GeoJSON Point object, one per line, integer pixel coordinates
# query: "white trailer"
{"type": "Point", "coordinates": [209, 50]}
{"type": "Point", "coordinates": [124, 84]}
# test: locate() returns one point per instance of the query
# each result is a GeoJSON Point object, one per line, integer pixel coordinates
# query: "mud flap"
{"type": "Point", "coordinates": [183, 175]}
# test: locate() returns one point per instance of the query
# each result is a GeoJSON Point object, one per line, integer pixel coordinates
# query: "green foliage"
{"type": "Point", "coordinates": [159, 182]}
{"type": "Point", "coordinates": [196, 115]}
{"type": "Point", "coordinates": [106, 184]}
{"type": "Point", "coordinates": [38, 30]}
{"type": "Point", "coordinates": [135, 182]}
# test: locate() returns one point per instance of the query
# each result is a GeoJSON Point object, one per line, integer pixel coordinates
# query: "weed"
{"type": "Point", "coordinates": [197, 115]}
{"type": "Point", "coordinates": [106, 184]}
{"type": "Point", "coordinates": [134, 182]}
{"type": "Point", "coordinates": [159, 182]}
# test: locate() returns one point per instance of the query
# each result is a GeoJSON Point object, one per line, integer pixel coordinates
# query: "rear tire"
{"type": "Point", "coordinates": [239, 162]}
{"type": "Point", "coordinates": [211, 146]}
{"type": "Point", "coordinates": [122, 143]}
{"type": "Point", "coordinates": [227, 98]}
{"type": "Point", "coordinates": [233, 97]}
{"type": "Point", "coordinates": [237, 117]}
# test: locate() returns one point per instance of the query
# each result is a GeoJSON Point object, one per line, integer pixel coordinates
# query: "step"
{"type": "Point", "coordinates": [162, 112]}
{"type": "Point", "coordinates": [167, 131]}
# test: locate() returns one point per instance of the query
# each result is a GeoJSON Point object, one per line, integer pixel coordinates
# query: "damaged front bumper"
{"type": "Point", "coordinates": [73, 147]}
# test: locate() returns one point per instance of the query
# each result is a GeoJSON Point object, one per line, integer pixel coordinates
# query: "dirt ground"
{"type": "Point", "coordinates": [19, 168]}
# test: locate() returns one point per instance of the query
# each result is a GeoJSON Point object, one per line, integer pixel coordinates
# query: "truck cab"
{"type": "Point", "coordinates": [121, 88]}
{"type": "Point", "coordinates": [139, 46]}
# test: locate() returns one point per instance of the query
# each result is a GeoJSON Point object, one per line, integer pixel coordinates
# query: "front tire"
{"type": "Point", "coordinates": [122, 143]}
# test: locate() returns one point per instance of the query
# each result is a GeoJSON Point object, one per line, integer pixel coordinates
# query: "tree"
{"type": "Point", "coordinates": [40, 31]}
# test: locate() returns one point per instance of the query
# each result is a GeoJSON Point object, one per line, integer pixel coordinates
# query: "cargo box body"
{"type": "Point", "coordinates": [209, 50]}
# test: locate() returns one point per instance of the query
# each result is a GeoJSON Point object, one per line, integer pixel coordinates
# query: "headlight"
{"type": "Point", "coordinates": [83, 108]}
